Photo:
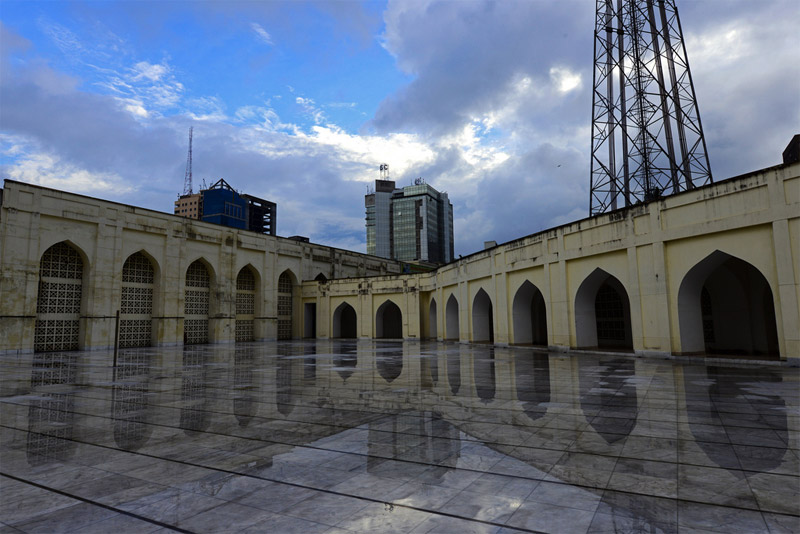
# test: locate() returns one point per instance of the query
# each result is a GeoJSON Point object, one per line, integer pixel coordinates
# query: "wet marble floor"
{"type": "Point", "coordinates": [345, 436]}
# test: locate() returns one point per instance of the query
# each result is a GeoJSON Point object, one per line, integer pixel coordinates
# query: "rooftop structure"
{"type": "Point", "coordinates": [413, 223]}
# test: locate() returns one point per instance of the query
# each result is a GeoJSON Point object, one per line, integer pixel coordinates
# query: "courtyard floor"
{"type": "Point", "coordinates": [379, 436]}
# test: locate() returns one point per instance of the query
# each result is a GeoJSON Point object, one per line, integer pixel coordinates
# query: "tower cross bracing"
{"type": "Point", "coordinates": [647, 138]}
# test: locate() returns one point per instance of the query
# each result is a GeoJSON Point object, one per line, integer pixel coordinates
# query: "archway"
{"type": "Point", "coordinates": [196, 304]}
{"type": "Point", "coordinates": [245, 304]}
{"type": "Point", "coordinates": [345, 321]}
{"type": "Point", "coordinates": [451, 319]}
{"type": "Point", "coordinates": [725, 306]}
{"type": "Point", "coordinates": [529, 316]}
{"type": "Point", "coordinates": [286, 283]}
{"type": "Point", "coordinates": [58, 304]}
{"type": "Point", "coordinates": [433, 330]}
{"type": "Point", "coordinates": [482, 318]}
{"type": "Point", "coordinates": [320, 278]}
{"type": "Point", "coordinates": [136, 303]}
{"type": "Point", "coordinates": [389, 321]}
{"type": "Point", "coordinates": [602, 313]}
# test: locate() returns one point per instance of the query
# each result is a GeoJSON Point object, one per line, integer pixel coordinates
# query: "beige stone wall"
{"type": "Point", "coordinates": [650, 249]}
{"type": "Point", "coordinates": [105, 233]}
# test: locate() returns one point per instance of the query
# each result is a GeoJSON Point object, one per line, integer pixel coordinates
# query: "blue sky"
{"type": "Point", "coordinates": [300, 102]}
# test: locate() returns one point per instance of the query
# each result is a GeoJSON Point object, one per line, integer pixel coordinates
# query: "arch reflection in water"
{"type": "Point", "coordinates": [429, 368]}
{"type": "Point", "coordinates": [608, 396]}
{"type": "Point", "coordinates": [194, 381]}
{"type": "Point", "coordinates": [51, 416]}
{"type": "Point", "coordinates": [345, 359]}
{"type": "Point", "coordinates": [731, 405]}
{"type": "Point", "coordinates": [484, 372]}
{"type": "Point", "coordinates": [389, 360]}
{"type": "Point", "coordinates": [532, 374]}
{"type": "Point", "coordinates": [454, 368]}
{"type": "Point", "coordinates": [417, 437]}
{"type": "Point", "coordinates": [130, 408]}
{"type": "Point", "coordinates": [285, 380]}
{"type": "Point", "coordinates": [244, 402]}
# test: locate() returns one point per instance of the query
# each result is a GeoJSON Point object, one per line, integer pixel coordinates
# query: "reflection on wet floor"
{"type": "Point", "coordinates": [382, 436]}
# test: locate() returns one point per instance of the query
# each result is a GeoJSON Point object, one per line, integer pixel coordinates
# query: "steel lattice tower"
{"type": "Point", "coordinates": [643, 107]}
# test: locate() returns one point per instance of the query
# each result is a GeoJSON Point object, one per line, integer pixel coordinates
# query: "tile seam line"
{"type": "Point", "coordinates": [470, 442]}
{"type": "Point", "coordinates": [294, 484]}
{"type": "Point", "coordinates": [369, 499]}
{"type": "Point", "coordinates": [96, 503]}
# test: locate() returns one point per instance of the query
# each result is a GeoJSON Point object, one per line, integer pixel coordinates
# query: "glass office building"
{"type": "Point", "coordinates": [414, 223]}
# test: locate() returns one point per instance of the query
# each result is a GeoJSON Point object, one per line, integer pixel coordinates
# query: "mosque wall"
{"type": "Point", "coordinates": [106, 234]}
{"type": "Point", "coordinates": [680, 275]}
{"type": "Point", "coordinates": [715, 270]}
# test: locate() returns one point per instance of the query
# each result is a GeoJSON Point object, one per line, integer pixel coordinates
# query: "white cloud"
{"type": "Point", "coordinates": [262, 34]}
{"type": "Point", "coordinates": [49, 171]}
{"type": "Point", "coordinates": [564, 79]}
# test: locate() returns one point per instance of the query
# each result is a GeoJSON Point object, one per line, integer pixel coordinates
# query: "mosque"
{"type": "Point", "coordinates": [710, 272]}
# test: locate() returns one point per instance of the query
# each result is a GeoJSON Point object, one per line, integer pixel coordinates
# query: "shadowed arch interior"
{"type": "Point", "coordinates": [602, 313]}
{"type": "Point", "coordinates": [389, 321]}
{"type": "Point", "coordinates": [725, 306]}
{"type": "Point", "coordinates": [433, 329]}
{"type": "Point", "coordinates": [451, 319]}
{"type": "Point", "coordinates": [529, 316]}
{"type": "Point", "coordinates": [344, 321]}
{"type": "Point", "coordinates": [482, 318]}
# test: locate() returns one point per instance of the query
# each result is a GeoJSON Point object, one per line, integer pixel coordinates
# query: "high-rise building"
{"type": "Point", "coordinates": [412, 224]}
{"type": "Point", "coordinates": [221, 204]}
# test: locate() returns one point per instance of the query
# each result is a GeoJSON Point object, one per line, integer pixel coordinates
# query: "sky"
{"type": "Point", "coordinates": [300, 102]}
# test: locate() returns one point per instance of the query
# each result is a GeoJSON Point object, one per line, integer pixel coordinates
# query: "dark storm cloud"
{"type": "Point", "coordinates": [464, 55]}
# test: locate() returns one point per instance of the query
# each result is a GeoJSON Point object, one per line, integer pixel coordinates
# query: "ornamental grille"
{"type": "Point", "coordinates": [136, 301]}
{"type": "Point", "coordinates": [285, 306]}
{"type": "Point", "coordinates": [245, 281]}
{"type": "Point", "coordinates": [134, 333]}
{"type": "Point", "coordinates": [244, 329]}
{"type": "Point", "coordinates": [196, 304]}
{"type": "Point", "coordinates": [56, 297]}
{"type": "Point", "coordinates": [197, 275]}
{"type": "Point", "coordinates": [195, 331]}
{"type": "Point", "coordinates": [245, 303]}
{"type": "Point", "coordinates": [610, 314]}
{"type": "Point", "coordinates": [56, 334]}
{"type": "Point", "coordinates": [136, 305]}
{"type": "Point", "coordinates": [61, 261]}
{"type": "Point", "coordinates": [138, 270]}
{"type": "Point", "coordinates": [58, 304]}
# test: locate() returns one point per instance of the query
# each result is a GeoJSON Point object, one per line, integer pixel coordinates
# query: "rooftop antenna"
{"type": "Point", "coordinates": [644, 106]}
{"type": "Point", "coordinates": [187, 179]}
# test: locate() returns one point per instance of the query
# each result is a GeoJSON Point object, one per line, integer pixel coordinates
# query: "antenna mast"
{"type": "Point", "coordinates": [644, 107]}
{"type": "Point", "coordinates": [187, 179]}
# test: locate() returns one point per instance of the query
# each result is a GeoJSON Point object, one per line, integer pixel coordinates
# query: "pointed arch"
{"type": "Point", "coordinates": [433, 329]}
{"type": "Point", "coordinates": [389, 321]}
{"type": "Point", "coordinates": [451, 319]}
{"type": "Point", "coordinates": [136, 301]}
{"type": "Point", "coordinates": [247, 282]}
{"type": "Point", "coordinates": [345, 321]}
{"type": "Point", "coordinates": [529, 316]}
{"type": "Point", "coordinates": [287, 282]}
{"type": "Point", "coordinates": [482, 318]}
{"type": "Point", "coordinates": [59, 302]}
{"type": "Point", "coordinates": [602, 313]}
{"type": "Point", "coordinates": [321, 278]}
{"type": "Point", "coordinates": [726, 306]}
{"type": "Point", "coordinates": [196, 302]}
